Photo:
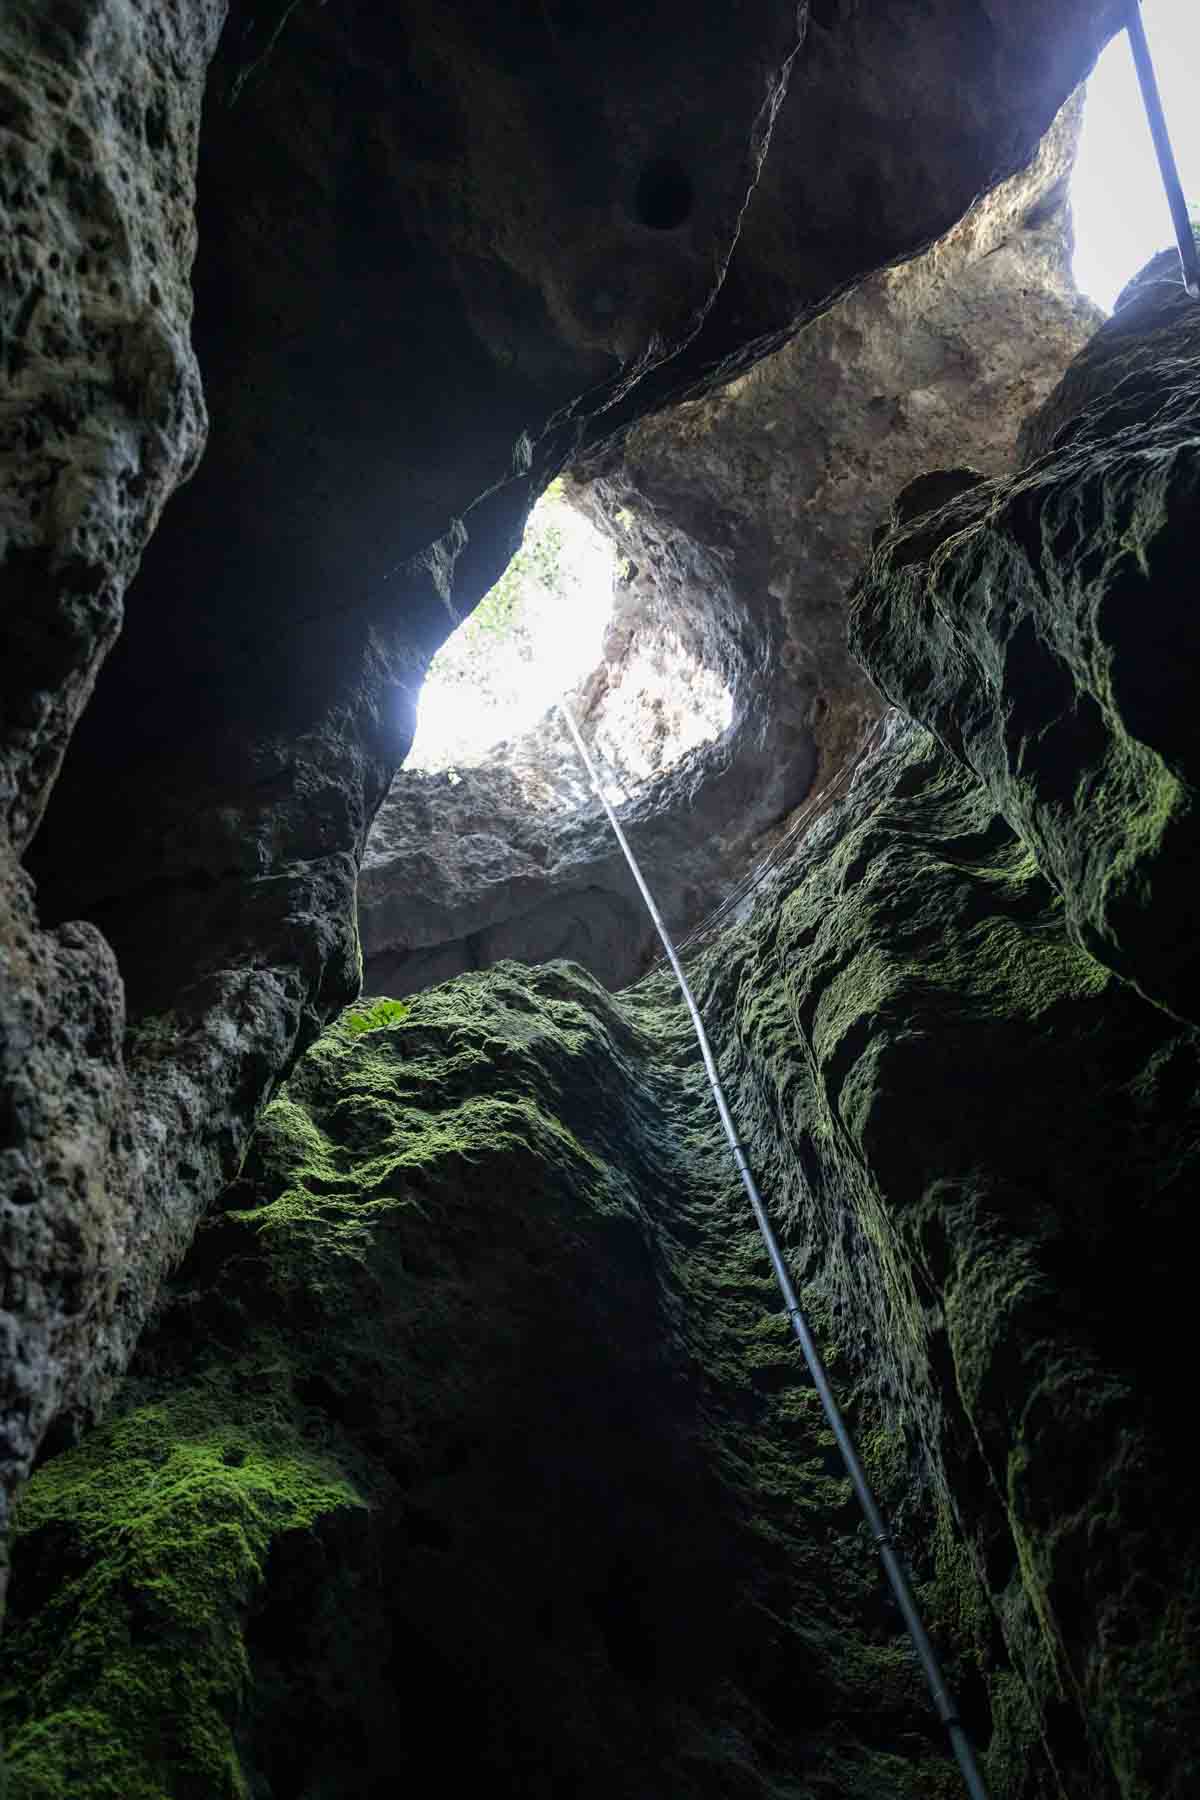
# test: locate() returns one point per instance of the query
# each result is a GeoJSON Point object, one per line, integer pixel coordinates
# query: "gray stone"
{"type": "Point", "coordinates": [1044, 628]}
{"type": "Point", "coordinates": [429, 271]}
{"type": "Point", "coordinates": [101, 417]}
{"type": "Point", "coordinates": [746, 515]}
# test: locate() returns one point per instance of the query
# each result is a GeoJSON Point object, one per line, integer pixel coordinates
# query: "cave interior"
{"type": "Point", "coordinates": [392, 1383]}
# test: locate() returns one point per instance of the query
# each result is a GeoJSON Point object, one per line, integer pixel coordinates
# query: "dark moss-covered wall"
{"type": "Point", "coordinates": [470, 1443]}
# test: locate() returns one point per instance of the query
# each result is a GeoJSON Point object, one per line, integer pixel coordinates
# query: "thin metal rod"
{"type": "Point", "coordinates": [894, 1568]}
{"type": "Point", "coordinates": [1152, 99]}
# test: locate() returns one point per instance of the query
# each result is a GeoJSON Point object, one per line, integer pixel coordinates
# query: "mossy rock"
{"type": "Point", "coordinates": [471, 1433]}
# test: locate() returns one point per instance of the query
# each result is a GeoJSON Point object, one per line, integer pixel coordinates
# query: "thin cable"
{"type": "Point", "coordinates": [894, 1568]}
{"type": "Point", "coordinates": [1152, 100]}
{"type": "Point", "coordinates": [802, 821]}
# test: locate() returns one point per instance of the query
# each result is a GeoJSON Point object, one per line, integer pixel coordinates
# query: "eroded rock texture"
{"type": "Point", "coordinates": [746, 515]}
{"type": "Point", "coordinates": [471, 1414]}
{"type": "Point", "coordinates": [783, 475]}
{"type": "Point", "coordinates": [367, 188]}
{"type": "Point", "coordinates": [438, 253]}
{"type": "Point", "coordinates": [1044, 628]}
{"type": "Point", "coordinates": [101, 415]}
{"type": "Point", "coordinates": [472, 1417]}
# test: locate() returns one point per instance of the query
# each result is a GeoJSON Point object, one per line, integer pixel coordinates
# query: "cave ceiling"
{"type": "Point", "coordinates": [440, 248]}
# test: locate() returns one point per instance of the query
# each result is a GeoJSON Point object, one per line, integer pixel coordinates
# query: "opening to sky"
{"type": "Point", "coordinates": [535, 637]}
{"type": "Point", "coordinates": [537, 633]}
{"type": "Point", "coordinates": [1121, 213]}
{"type": "Point", "coordinates": [541, 629]}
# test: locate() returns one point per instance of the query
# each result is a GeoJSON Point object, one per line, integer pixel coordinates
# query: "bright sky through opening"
{"type": "Point", "coordinates": [486, 687]}
{"type": "Point", "coordinates": [474, 698]}
{"type": "Point", "coordinates": [1121, 213]}
{"type": "Point", "coordinates": [538, 633]}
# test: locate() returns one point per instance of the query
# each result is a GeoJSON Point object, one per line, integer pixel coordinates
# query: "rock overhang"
{"type": "Point", "coordinates": [400, 243]}
{"type": "Point", "coordinates": [742, 517]}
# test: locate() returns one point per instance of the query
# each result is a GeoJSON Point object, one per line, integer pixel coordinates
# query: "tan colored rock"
{"type": "Point", "coordinates": [745, 515]}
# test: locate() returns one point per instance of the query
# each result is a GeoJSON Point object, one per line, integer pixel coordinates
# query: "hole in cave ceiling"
{"type": "Point", "coordinates": [823, 13]}
{"type": "Point", "coordinates": [665, 197]}
{"type": "Point", "coordinates": [1117, 198]}
{"type": "Point", "coordinates": [565, 610]}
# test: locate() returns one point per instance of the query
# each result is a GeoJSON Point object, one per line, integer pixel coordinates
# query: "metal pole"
{"type": "Point", "coordinates": [1152, 100]}
{"type": "Point", "coordinates": [894, 1568]}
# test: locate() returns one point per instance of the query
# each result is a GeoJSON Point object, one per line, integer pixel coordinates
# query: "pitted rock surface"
{"type": "Point", "coordinates": [1005, 621]}
{"type": "Point", "coordinates": [438, 254]}
{"type": "Point", "coordinates": [745, 517]}
{"type": "Point", "coordinates": [101, 417]}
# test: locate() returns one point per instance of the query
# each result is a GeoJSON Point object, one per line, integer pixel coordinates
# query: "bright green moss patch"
{"type": "Point", "coordinates": [150, 1543]}
{"type": "Point", "coordinates": [373, 1015]}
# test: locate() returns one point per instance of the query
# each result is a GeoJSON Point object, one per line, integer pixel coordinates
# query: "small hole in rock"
{"type": "Point", "coordinates": [665, 196]}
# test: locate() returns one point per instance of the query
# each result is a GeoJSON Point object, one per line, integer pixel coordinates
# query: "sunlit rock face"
{"type": "Point", "coordinates": [467, 864]}
{"type": "Point", "coordinates": [513, 857]}
{"type": "Point", "coordinates": [1043, 627]}
{"type": "Point", "coordinates": [783, 475]}
{"type": "Point", "coordinates": [438, 254]}
{"type": "Point", "coordinates": [741, 519]}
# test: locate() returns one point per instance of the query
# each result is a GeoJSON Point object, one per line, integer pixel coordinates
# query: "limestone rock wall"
{"type": "Point", "coordinates": [472, 1416]}
{"type": "Point", "coordinates": [101, 416]}
{"type": "Point", "coordinates": [783, 475]}
{"type": "Point", "coordinates": [745, 516]}
{"type": "Point", "coordinates": [195, 869]}
{"type": "Point", "coordinates": [438, 253]}
{"type": "Point", "coordinates": [1044, 628]}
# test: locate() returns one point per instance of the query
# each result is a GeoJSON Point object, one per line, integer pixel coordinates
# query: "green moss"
{"type": "Point", "coordinates": [373, 1015]}
{"type": "Point", "coordinates": [488, 1266]}
{"type": "Point", "coordinates": [151, 1542]}
{"type": "Point", "coordinates": [506, 1219]}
